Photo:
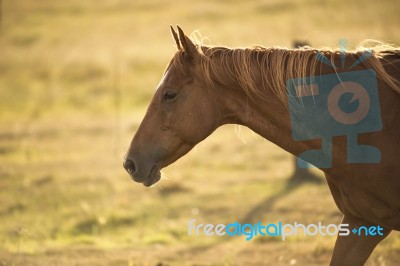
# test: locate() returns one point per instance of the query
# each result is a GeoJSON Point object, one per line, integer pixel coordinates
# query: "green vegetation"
{"type": "Point", "coordinates": [75, 79]}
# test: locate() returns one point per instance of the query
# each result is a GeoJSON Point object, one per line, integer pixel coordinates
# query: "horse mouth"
{"type": "Point", "coordinates": [153, 177]}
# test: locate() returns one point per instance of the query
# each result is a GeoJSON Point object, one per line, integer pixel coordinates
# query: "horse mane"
{"type": "Point", "coordinates": [276, 65]}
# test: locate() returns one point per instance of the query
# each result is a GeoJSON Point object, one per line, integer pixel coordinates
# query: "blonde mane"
{"type": "Point", "coordinates": [276, 65]}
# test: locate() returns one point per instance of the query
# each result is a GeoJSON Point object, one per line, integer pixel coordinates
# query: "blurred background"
{"type": "Point", "coordinates": [75, 80]}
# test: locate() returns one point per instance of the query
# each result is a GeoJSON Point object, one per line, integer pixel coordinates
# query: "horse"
{"type": "Point", "coordinates": [205, 87]}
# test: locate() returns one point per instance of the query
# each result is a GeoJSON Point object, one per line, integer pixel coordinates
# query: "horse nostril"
{"type": "Point", "coordinates": [129, 166]}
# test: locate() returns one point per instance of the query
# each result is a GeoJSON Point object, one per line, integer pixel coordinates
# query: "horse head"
{"type": "Point", "coordinates": [182, 113]}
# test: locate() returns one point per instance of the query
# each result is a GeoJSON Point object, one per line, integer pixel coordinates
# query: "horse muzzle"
{"type": "Point", "coordinates": [147, 178]}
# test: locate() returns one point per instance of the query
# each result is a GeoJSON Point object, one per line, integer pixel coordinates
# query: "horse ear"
{"type": "Point", "coordinates": [176, 38]}
{"type": "Point", "coordinates": [188, 45]}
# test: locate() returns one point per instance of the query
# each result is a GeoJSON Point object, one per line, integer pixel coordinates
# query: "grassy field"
{"type": "Point", "coordinates": [75, 80]}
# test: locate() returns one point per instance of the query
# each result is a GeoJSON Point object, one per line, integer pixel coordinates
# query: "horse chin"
{"type": "Point", "coordinates": [154, 177]}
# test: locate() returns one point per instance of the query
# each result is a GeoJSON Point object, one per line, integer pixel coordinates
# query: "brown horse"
{"type": "Point", "coordinates": [205, 87]}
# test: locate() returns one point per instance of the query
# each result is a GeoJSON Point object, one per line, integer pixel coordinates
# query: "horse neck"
{"type": "Point", "coordinates": [267, 116]}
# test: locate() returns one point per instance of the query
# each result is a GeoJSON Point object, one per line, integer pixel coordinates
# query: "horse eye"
{"type": "Point", "coordinates": [169, 95]}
